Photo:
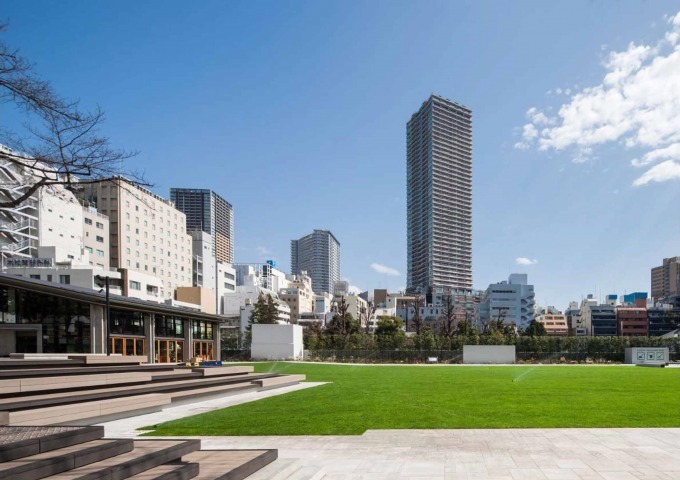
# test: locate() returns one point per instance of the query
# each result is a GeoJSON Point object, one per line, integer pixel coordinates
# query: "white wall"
{"type": "Point", "coordinates": [277, 342]}
{"type": "Point", "coordinates": [61, 222]}
{"type": "Point", "coordinates": [488, 354]}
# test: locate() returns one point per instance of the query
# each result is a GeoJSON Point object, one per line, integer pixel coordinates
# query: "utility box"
{"type": "Point", "coordinates": [277, 342]}
{"type": "Point", "coordinates": [488, 354]}
{"type": "Point", "coordinates": [647, 356]}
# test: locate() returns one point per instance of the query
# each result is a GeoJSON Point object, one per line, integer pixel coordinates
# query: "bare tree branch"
{"type": "Point", "coordinates": [64, 145]}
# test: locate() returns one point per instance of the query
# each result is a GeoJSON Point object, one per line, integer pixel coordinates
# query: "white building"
{"type": "Point", "coordinates": [511, 301]}
{"type": "Point", "coordinates": [148, 234]}
{"type": "Point", "coordinates": [247, 295]}
{"type": "Point", "coordinates": [226, 283]}
{"type": "Point", "coordinates": [299, 296]}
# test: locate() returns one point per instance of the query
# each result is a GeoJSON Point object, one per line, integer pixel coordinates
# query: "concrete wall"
{"type": "Point", "coordinates": [488, 354]}
{"type": "Point", "coordinates": [277, 342]}
{"type": "Point", "coordinates": [647, 356]}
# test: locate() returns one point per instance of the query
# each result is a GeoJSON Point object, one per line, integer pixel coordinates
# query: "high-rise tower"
{"type": "Point", "coordinates": [319, 255]}
{"type": "Point", "coordinates": [207, 211]}
{"type": "Point", "coordinates": [439, 196]}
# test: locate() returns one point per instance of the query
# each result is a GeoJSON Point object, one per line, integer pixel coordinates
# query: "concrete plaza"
{"type": "Point", "coordinates": [500, 454]}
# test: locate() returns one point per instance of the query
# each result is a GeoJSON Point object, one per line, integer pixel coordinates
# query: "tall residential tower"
{"type": "Point", "coordinates": [439, 196]}
{"type": "Point", "coordinates": [319, 255]}
{"type": "Point", "coordinates": [207, 211]}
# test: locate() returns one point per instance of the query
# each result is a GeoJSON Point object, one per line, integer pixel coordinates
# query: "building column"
{"type": "Point", "coordinates": [188, 341]}
{"type": "Point", "coordinates": [97, 330]}
{"type": "Point", "coordinates": [149, 332]}
{"type": "Point", "coordinates": [217, 337]}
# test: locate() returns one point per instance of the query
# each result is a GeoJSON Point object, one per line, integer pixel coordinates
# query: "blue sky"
{"type": "Point", "coordinates": [295, 112]}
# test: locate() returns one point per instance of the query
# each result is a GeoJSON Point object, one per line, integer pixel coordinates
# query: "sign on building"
{"type": "Point", "coordinates": [28, 262]}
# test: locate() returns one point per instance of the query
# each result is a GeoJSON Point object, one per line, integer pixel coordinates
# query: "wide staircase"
{"type": "Point", "coordinates": [88, 390]}
{"type": "Point", "coordinates": [49, 404]}
{"type": "Point", "coordinates": [82, 453]}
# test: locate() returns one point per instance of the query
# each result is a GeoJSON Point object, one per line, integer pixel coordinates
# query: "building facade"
{"type": "Point", "coordinates": [439, 196]}
{"type": "Point", "coordinates": [319, 255]}
{"type": "Point", "coordinates": [555, 323]}
{"type": "Point", "coordinates": [207, 211]}
{"type": "Point", "coordinates": [666, 279]}
{"type": "Point", "coordinates": [299, 296]}
{"type": "Point", "coordinates": [147, 233]}
{"type": "Point", "coordinates": [512, 301]}
{"type": "Point", "coordinates": [632, 322]}
{"type": "Point", "coordinates": [48, 317]}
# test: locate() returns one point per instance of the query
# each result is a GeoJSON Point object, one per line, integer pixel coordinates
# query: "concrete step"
{"type": "Point", "coordinates": [281, 469]}
{"type": "Point", "coordinates": [280, 381]}
{"type": "Point", "coordinates": [147, 454]}
{"type": "Point", "coordinates": [86, 411]}
{"type": "Point", "coordinates": [308, 473]}
{"type": "Point", "coordinates": [63, 459]}
{"type": "Point", "coordinates": [230, 464]}
{"type": "Point", "coordinates": [19, 442]}
{"type": "Point", "coordinates": [220, 371]}
{"type": "Point", "coordinates": [170, 471]}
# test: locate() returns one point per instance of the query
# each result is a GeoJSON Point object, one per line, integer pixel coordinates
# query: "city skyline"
{"type": "Point", "coordinates": [575, 228]}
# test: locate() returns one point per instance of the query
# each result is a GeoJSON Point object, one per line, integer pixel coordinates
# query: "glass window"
{"type": "Point", "coordinates": [125, 322]}
{"type": "Point", "coordinates": [88, 221]}
{"type": "Point", "coordinates": [169, 326]}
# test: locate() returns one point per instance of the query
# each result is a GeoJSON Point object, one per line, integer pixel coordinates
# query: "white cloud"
{"type": "Point", "coordinates": [668, 170]}
{"type": "Point", "coordinates": [525, 261]}
{"type": "Point", "coordinates": [263, 251]}
{"type": "Point", "coordinates": [385, 269]}
{"type": "Point", "coordinates": [637, 105]}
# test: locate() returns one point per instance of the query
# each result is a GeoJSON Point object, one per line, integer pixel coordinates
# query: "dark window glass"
{"type": "Point", "coordinates": [126, 323]}
{"type": "Point", "coordinates": [169, 326]}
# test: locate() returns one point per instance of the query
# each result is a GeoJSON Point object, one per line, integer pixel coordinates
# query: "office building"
{"type": "Point", "coordinates": [207, 211]}
{"type": "Point", "coordinates": [439, 196]}
{"type": "Point", "coordinates": [555, 323]}
{"type": "Point", "coordinates": [319, 255]}
{"type": "Point", "coordinates": [662, 320]}
{"type": "Point", "coordinates": [512, 301]}
{"type": "Point", "coordinates": [147, 233]}
{"type": "Point", "coordinates": [598, 319]}
{"type": "Point", "coordinates": [666, 279]}
{"type": "Point", "coordinates": [635, 299]}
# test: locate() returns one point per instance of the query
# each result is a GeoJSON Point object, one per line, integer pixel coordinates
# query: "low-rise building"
{"type": "Point", "coordinates": [299, 296]}
{"type": "Point", "coordinates": [632, 322]}
{"type": "Point", "coordinates": [555, 323]}
{"type": "Point", "coordinates": [38, 316]}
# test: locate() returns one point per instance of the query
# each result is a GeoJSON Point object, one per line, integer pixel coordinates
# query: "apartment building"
{"type": "Point", "coordinates": [439, 196]}
{"type": "Point", "coordinates": [632, 322]}
{"type": "Point", "coordinates": [666, 279]}
{"type": "Point", "coordinates": [319, 255]}
{"type": "Point", "coordinates": [555, 324]}
{"type": "Point", "coordinates": [299, 296]}
{"type": "Point", "coordinates": [147, 233]}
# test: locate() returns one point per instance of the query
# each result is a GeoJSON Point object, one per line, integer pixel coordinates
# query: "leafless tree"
{"type": "Point", "coordinates": [447, 321]}
{"type": "Point", "coordinates": [417, 317]}
{"type": "Point", "coordinates": [62, 144]}
{"type": "Point", "coordinates": [366, 317]}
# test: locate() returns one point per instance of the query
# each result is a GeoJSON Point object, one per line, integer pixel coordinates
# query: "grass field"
{"type": "Point", "coordinates": [390, 397]}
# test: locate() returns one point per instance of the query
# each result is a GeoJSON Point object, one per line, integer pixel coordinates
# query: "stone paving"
{"type": "Point", "coordinates": [503, 454]}
{"type": "Point", "coordinates": [499, 454]}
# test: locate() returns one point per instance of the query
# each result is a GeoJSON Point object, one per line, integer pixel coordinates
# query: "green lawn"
{"type": "Point", "coordinates": [389, 397]}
